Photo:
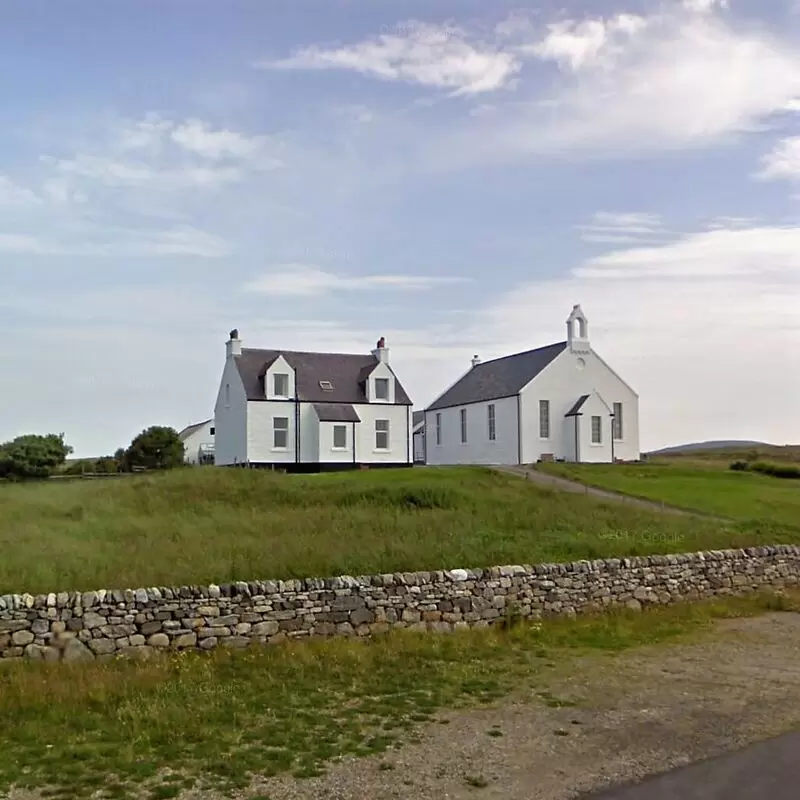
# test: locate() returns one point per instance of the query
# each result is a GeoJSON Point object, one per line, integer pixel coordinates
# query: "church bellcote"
{"type": "Point", "coordinates": [578, 331]}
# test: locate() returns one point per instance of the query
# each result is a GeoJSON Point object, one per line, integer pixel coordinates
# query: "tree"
{"type": "Point", "coordinates": [33, 456]}
{"type": "Point", "coordinates": [156, 447]}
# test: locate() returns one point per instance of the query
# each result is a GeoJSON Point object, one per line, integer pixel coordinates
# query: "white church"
{"type": "Point", "coordinates": [561, 402]}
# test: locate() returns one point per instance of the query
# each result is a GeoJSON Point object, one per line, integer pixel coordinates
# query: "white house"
{"type": "Point", "coordinates": [198, 442]}
{"type": "Point", "coordinates": [559, 402]}
{"type": "Point", "coordinates": [310, 411]}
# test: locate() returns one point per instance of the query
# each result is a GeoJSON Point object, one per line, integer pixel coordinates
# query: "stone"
{"type": "Point", "coordinates": [158, 640]}
{"type": "Point", "coordinates": [137, 640]}
{"type": "Point", "coordinates": [154, 626]}
{"type": "Point", "coordinates": [21, 638]}
{"type": "Point", "coordinates": [184, 640]}
{"type": "Point", "coordinates": [208, 611]}
{"type": "Point", "coordinates": [361, 616]}
{"type": "Point", "coordinates": [633, 605]}
{"type": "Point", "coordinates": [227, 621]}
{"type": "Point", "coordinates": [75, 624]}
{"type": "Point", "coordinates": [11, 625]}
{"type": "Point", "coordinates": [268, 628]}
{"type": "Point", "coordinates": [209, 643]}
{"type": "Point", "coordinates": [77, 652]}
{"type": "Point", "coordinates": [92, 620]}
{"type": "Point", "coordinates": [139, 652]}
{"type": "Point", "coordinates": [102, 646]}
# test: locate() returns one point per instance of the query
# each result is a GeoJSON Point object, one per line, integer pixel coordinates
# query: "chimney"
{"type": "Point", "coordinates": [381, 351]}
{"type": "Point", "coordinates": [476, 359]}
{"type": "Point", "coordinates": [233, 347]}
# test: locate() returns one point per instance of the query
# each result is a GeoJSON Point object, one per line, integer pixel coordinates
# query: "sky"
{"type": "Point", "coordinates": [453, 175]}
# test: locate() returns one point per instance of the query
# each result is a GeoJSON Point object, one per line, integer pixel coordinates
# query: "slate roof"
{"type": "Point", "coordinates": [576, 409]}
{"type": "Point", "coordinates": [502, 377]}
{"type": "Point", "coordinates": [346, 372]}
{"type": "Point", "coordinates": [190, 429]}
{"type": "Point", "coordinates": [335, 412]}
{"type": "Point", "coordinates": [416, 418]}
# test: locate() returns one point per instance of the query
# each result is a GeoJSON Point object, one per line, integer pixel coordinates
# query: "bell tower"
{"type": "Point", "coordinates": [578, 331]}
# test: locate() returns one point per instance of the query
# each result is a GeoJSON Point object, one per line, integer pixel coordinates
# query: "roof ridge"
{"type": "Point", "coordinates": [521, 353]}
{"type": "Point", "coordinates": [305, 352]}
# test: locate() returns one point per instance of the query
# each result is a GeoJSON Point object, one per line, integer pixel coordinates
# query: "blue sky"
{"type": "Point", "coordinates": [452, 175]}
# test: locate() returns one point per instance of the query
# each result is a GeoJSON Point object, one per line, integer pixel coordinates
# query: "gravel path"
{"type": "Point", "coordinates": [640, 713]}
{"type": "Point", "coordinates": [574, 487]}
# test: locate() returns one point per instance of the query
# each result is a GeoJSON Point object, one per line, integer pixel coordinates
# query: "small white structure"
{"type": "Point", "coordinates": [310, 411]}
{"type": "Point", "coordinates": [418, 432]}
{"type": "Point", "coordinates": [559, 402]}
{"type": "Point", "coordinates": [198, 442]}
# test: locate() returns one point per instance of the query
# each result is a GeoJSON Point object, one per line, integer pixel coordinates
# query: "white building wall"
{"type": "Point", "coordinates": [562, 382]}
{"type": "Point", "coordinates": [399, 434]}
{"type": "Point", "coordinates": [478, 449]}
{"type": "Point", "coordinates": [230, 419]}
{"type": "Point", "coordinates": [191, 444]}
{"type": "Point", "coordinates": [327, 453]}
{"type": "Point", "coordinates": [589, 452]}
{"type": "Point", "coordinates": [419, 447]}
{"type": "Point", "coordinates": [260, 439]}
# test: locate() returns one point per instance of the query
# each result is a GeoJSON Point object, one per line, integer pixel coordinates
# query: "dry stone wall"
{"type": "Point", "coordinates": [83, 626]}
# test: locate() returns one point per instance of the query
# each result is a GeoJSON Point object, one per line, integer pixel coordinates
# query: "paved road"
{"type": "Point", "coordinates": [567, 485]}
{"type": "Point", "coordinates": [768, 770]}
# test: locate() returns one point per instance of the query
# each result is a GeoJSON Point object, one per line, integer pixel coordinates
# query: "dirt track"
{"type": "Point", "coordinates": [639, 712]}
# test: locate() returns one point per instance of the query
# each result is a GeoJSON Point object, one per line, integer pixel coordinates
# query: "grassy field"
{"type": "Point", "coordinates": [203, 525]}
{"type": "Point", "coordinates": [113, 727]}
{"type": "Point", "coordinates": [703, 484]}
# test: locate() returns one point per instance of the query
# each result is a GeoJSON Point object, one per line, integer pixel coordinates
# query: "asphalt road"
{"type": "Point", "coordinates": [768, 770]}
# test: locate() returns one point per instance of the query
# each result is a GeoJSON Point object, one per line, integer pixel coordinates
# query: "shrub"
{"type": "Point", "coordinates": [740, 466]}
{"type": "Point", "coordinates": [790, 471]}
{"type": "Point", "coordinates": [33, 456]}
{"type": "Point", "coordinates": [156, 447]}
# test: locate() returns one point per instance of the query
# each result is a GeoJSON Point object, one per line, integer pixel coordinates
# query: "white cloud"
{"type": "Point", "coordinates": [437, 56]}
{"type": "Point", "coordinates": [670, 80]}
{"type": "Point", "coordinates": [704, 6]}
{"type": "Point", "coordinates": [607, 227]}
{"type": "Point", "coordinates": [304, 280]}
{"type": "Point", "coordinates": [580, 44]}
{"type": "Point", "coordinates": [141, 174]}
{"type": "Point", "coordinates": [180, 241]}
{"type": "Point", "coordinates": [12, 195]}
{"type": "Point", "coordinates": [198, 137]}
{"type": "Point", "coordinates": [783, 161]}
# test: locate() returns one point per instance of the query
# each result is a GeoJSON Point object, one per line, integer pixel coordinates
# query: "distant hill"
{"type": "Point", "coordinates": [721, 444]}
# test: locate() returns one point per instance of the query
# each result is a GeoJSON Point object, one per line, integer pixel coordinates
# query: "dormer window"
{"type": "Point", "coordinates": [381, 388]}
{"type": "Point", "coordinates": [326, 386]}
{"type": "Point", "coordinates": [280, 384]}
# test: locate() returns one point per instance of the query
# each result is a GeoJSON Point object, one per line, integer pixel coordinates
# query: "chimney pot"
{"type": "Point", "coordinates": [476, 359]}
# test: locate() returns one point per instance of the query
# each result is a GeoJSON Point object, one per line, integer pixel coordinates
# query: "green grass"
{"type": "Point", "coordinates": [197, 526]}
{"type": "Point", "coordinates": [215, 721]}
{"type": "Point", "coordinates": [708, 487]}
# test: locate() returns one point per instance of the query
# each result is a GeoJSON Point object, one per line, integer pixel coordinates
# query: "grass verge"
{"type": "Point", "coordinates": [753, 500]}
{"type": "Point", "coordinates": [117, 728]}
{"type": "Point", "coordinates": [210, 525]}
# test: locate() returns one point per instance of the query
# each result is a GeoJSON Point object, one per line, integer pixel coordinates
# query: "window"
{"type": "Point", "coordinates": [227, 394]}
{"type": "Point", "coordinates": [212, 431]}
{"type": "Point", "coordinates": [280, 432]}
{"type": "Point", "coordinates": [381, 388]}
{"type": "Point", "coordinates": [381, 434]}
{"type": "Point", "coordinates": [617, 423]}
{"type": "Point", "coordinates": [438, 429]}
{"type": "Point", "coordinates": [339, 437]}
{"type": "Point", "coordinates": [326, 386]}
{"type": "Point", "coordinates": [544, 419]}
{"type": "Point", "coordinates": [597, 430]}
{"type": "Point", "coordinates": [463, 425]}
{"type": "Point", "coordinates": [491, 421]}
{"type": "Point", "coordinates": [280, 384]}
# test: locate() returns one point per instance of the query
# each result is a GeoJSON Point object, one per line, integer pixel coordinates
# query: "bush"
{"type": "Point", "coordinates": [777, 470]}
{"type": "Point", "coordinates": [157, 447]}
{"type": "Point", "coordinates": [740, 466]}
{"type": "Point", "coordinates": [32, 456]}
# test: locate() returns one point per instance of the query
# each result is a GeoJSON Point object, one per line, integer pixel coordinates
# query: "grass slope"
{"type": "Point", "coordinates": [215, 721]}
{"type": "Point", "coordinates": [205, 525]}
{"type": "Point", "coordinates": [700, 485]}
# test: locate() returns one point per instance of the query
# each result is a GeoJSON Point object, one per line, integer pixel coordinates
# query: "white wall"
{"type": "Point", "coordinates": [562, 382]}
{"type": "Point", "coordinates": [230, 419]}
{"type": "Point", "coordinates": [279, 367]}
{"type": "Point", "coordinates": [399, 434]}
{"type": "Point", "coordinates": [478, 449]}
{"type": "Point", "coordinates": [327, 453]}
{"type": "Point", "coordinates": [316, 439]}
{"type": "Point", "coordinates": [260, 439]}
{"type": "Point", "coordinates": [588, 452]}
{"type": "Point", "coordinates": [191, 444]}
{"type": "Point", "coordinates": [419, 446]}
